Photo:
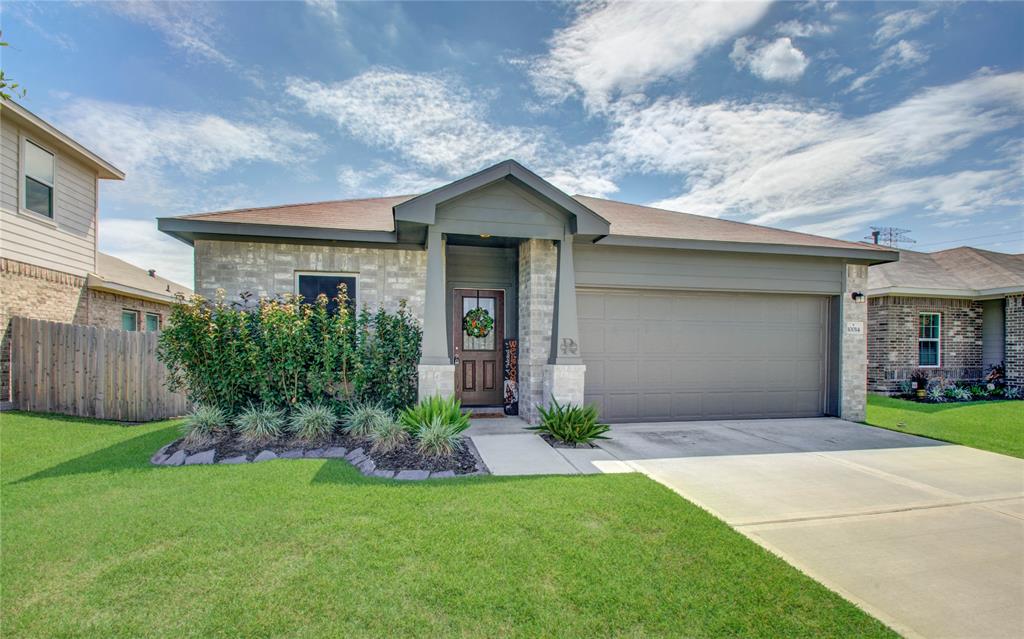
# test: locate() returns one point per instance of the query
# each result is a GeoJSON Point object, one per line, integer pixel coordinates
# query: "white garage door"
{"type": "Point", "coordinates": [657, 356]}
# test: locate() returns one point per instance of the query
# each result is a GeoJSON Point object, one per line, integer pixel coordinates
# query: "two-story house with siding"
{"type": "Point", "coordinates": [50, 267]}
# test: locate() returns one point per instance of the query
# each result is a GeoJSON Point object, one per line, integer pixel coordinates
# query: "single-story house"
{"type": "Point", "coordinates": [955, 313]}
{"type": "Point", "coordinates": [651, 314]}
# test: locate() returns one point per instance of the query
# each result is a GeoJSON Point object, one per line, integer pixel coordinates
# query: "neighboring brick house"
{"type": "Point", "coordinates": [50, 267]}
{"type": "Point", "coordinates": [954, 313]}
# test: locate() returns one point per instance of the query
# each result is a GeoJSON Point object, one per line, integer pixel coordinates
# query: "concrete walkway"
{"type": "Point", "coordinates": [927, 537]}
{"type": "Point", "coordinates": [508, 448]}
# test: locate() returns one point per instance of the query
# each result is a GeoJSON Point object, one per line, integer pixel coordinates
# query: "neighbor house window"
{"type": "Point", "coordinates": [152, 322]}
{"type": "Point", "coordinates": [38, 179]}
{"type": "Point", "coordinates": [310, 285]}
{"type": "Point", "coordinates": [129, 321]}
{"type": "Point", "coordinates": [929, 325]}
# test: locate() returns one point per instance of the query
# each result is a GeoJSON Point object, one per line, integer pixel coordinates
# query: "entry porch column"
{"type": "Point", "coordinates": [436, 371]}
{"type": "Point", "coordinates": [564, 374]}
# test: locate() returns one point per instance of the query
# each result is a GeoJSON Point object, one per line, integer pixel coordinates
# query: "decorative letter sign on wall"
{"type": "Point", "coordinates": [511, 377]}
{"type": "Point", "coordinates": [855, 328]}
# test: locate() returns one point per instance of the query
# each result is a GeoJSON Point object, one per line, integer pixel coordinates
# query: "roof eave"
{"type": "Point", "coordinates": [187, 230]}
{"type": "Point", "coordinates": [869, 256]}
{"type": "Point", "coordinates": [97, 283]}
{"type": "Point", "coordinates": [105, 170]}
{"type": "Point", "coordinates": [956, 293]}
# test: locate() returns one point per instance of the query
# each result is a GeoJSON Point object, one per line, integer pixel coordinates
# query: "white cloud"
{"type": "Point", "coordinates": [140, 243]}
{"type": "Point", "coordinates": [325, 8]}
{"type": "Point", "coordinates": [798, 29]}
{"type": "Point", "coordinates": [893, 25]}
{"type": "Point", "coordinates": [384, 178]}
{"type": "Point", "coordinates": [785, 163]}
{"type": "Point", "coordinates": [902, 55]}
{"type": "Point", "coordinates": [190, 26]}
{"type": "Point", "coordinates": [167, 155]}
{"type": "Point", "coordinates": [835, 74]}
{"type": "Point", "coordinates": [622, 47]}
{"type": "Point", "coordinates": [776, 60]}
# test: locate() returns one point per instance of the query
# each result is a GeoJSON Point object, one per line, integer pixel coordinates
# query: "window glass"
{"type": "Point", "coordinates": [38, 197]}
{"type": "Point", "coordinates": [38, 164]}
{"type": "Point", "coordinates": [470, 343]}
{"type": "Point", "coordinates": [152, 322]}
{"type": "Point", "coordinates": [928, 339]}
{"type": "Point", "coordinates": [310, 286]}
{"type": "Point", "coordinates": [129, 321]}
{"type": "Point", "coordinates": [928, 353]}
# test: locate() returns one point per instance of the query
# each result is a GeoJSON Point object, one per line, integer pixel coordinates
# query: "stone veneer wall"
{"type": "Point", "coordinates": [537, 272]}
{"type": "Point", "coordinates": [853, 394]}
{"type": "Point", "coordinates": [383, 276]}
{"type": "Point", "coordinates": [893, 331]}
{"type": "Point", "coordinates": [1015, 340]}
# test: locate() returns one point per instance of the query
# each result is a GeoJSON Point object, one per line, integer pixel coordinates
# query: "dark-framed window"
{"type": "Point", "coordinates": [929, 338]}
{"type": "Point", "coordinates": [39, 179]}
{"type": "Point", "coordinates": [129, 320]}
{"type": "Point", "coordinates": [310, 285]}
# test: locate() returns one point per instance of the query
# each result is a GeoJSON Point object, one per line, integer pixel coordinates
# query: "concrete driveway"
{"type": "Point", "coordinates": [928, 537]}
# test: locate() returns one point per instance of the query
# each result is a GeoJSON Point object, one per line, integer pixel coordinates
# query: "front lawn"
{"type": "Point", "coordinates": [96, 542]}
{"type": "Point", "coordinates": [991, 425]}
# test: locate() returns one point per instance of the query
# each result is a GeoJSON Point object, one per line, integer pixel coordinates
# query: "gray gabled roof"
{"type": "Point", "coordinates": [114, 275]}
{"type": "Point", "coordinates": [957, 272]}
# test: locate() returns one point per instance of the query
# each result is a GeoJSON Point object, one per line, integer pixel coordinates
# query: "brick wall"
{"type": "Point", "coordinates": [538, 266]}
{"type": "Point", "coordinates": [893, 331]}
{"type": "Point", "coordinates": [384, 276]}
{"type": "Point", "coordinates": [105, 309]}
{"type": "Point", "coordinates": [1015, 340]}
{"type": "Point", "coordinates": [853, 379]}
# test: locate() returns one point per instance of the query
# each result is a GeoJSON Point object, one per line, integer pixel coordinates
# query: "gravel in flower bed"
{"type": "Point", "coordinates": [357, 450]}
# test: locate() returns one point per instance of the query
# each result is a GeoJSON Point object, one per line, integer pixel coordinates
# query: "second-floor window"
{"type": "Point", "coordinates": [38, 179]}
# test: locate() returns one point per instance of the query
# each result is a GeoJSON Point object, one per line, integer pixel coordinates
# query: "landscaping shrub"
{"type": "Point", "coordinates": [364, 418]}
{"type": "Point", "coordinates": [570, 423]}
{"type": "Point", "coordinates": [312, 422]}
{"type": "Point", "coordinates": [937, 395]}
{"type": "Point", "coordinates": [205, 424]}
{"type": "Point", "coordinates": [282, 352]}
{"type": "Point", "coordinates": [446, 409]}
{"type": "Point", "coordinates": [1012, 392]}
{"type": "Point", "coordinates": [260, 424]}
{"type": "Point", "coordinates": [438, 438]}
{"type": "Point", "coordinates": [388, 435]}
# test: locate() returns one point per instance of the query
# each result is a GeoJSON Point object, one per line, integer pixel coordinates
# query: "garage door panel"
{"type": "Point", "coordinates": [688, 355]}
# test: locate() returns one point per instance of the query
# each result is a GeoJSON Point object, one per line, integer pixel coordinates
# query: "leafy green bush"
{"type": "Point", "coordinates": [205, 424]}
{"type": "Point", "coordinates": [364, 418]}
{"type": "Point", "coordinates": [446, 409]}
{"type": "Point", "coordinates": [1012, 392]}
{"type": "Point", "coordinates": [260, 424]}
{"type": "Point", "coordinates": [438, 438]}
{"type": "Point", "coordinates": [570, 423]}
{"type": "Point", "coordinates": [312, 422]}
{"type": "Point", "coordinates": [388, 435]}
{"type": "Point", "coordinates": [282, 352]}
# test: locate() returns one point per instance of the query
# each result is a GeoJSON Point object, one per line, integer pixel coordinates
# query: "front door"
{"type": "Point", "coordinates": [479, 368]}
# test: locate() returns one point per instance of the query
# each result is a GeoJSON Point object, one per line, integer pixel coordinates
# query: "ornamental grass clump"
{"type": "Point", "coordinates": [570, 424]}
{"type": "Point", "coordinates": [260, 424]}
{"type": "Point", "coordinates": [446, 409]}
{"type": "Point", "coordinates": [388, 435]}
{"type": "Point", "coordinates": [312, 422]}
{"type": "Point", "coordinates": [439, 439]}
{"type": "Point", "coordinates": [364, 418]}
{"type": "Point", "coordinates": [205, 425]}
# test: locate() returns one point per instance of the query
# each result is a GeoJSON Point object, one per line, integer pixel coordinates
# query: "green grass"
{"type": "Point", "coordinates": [994, 426]}
{"type": "Point", "coordinates": [96, 542]}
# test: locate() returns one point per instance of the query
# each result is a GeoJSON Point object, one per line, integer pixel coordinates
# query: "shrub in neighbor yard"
{"type": "Point", "coordinates": [363, 418]}
{"type": "Point", "coordinates": [438, 438]}
{"type": "Point", "coordinates": [260, 424]}
{"type": "Point", "coordinates": [446, 409]}
{"type": "Point", "coordinates": [284, 351]}
{"type": "Point", "coordinates": [204, 425]}
{"type": "Point", "coordinates": [388, 435]}
{"type": "Point", "coordinates": [1012, 392]}
{"type": "Point", "coordinates": [938, 395]}
{"type": "Point", "coordinates": [570, 423]}
{"type": "Point", "coordinates": [312, 422]}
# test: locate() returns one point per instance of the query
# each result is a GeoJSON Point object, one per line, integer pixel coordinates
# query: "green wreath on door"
{"type": "Point", "coordinates": [478, 322]}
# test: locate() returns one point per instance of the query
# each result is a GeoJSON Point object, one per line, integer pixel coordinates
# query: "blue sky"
{"type": "Point", "coordinates": [822, 117]}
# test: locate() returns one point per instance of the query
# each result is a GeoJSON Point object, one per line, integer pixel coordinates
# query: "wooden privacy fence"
{"type": "Point", "coordinates": [87, 371]}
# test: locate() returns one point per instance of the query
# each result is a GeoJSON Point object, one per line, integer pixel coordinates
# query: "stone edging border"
{"type": "Point", "coordinates": [357, 457]}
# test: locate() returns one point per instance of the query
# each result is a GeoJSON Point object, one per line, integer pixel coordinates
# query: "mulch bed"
{"type": "Point", "coordinates": [463, 462]}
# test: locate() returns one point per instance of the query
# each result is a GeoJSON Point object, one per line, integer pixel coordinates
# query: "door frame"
{"type": "Point", "coordinates": [499, 339]}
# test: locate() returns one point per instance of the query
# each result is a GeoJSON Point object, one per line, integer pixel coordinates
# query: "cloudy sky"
{"type": "Point", "coordinates": [823, 117]}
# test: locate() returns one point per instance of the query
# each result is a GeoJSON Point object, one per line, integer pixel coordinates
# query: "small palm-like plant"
{"type": "Point", "coordinates": [205, 424]}
{"type": "Point", "coordinates": [260, 424]}
{"type": "Point", "coordinates": [364, 418]}
{"type": "Point", "coordinates": [439, 439]}
{"type": "Point", "coordinates": [312, 422]}
{"type": "Point", "coordinates": [570, 423]}
{"type": "Point", "coordinates": [446, 409]}
{"type": "Point", "coordinates": [388, 435]}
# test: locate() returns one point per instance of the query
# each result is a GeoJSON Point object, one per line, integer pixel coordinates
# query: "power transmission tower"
{"type": "Point", "coordinates": [890, 236]}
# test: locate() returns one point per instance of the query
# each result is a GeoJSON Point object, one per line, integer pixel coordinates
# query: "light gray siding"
{"type": "Point", "coordinates": [484, 268]}
{"type": "Point", "coordinates": [502, 210]}
{"type": "Point", "coordinates": [630, 267]}
{"type": "Point", "coordinates": [993, 333]}
{"type": "Point", "coordinates": [68, 242]}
